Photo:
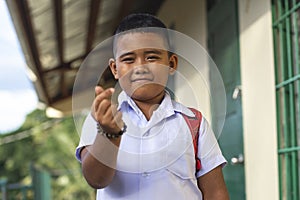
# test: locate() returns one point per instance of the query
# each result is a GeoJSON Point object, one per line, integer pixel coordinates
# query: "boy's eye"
{"type": "Point", "coordinates": [152, 58]}
{"type": "Point", "coordinates": [128, 60]}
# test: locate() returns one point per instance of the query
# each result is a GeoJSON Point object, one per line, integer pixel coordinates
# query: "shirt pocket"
{"type": "Point", "coordinates": [184, 167]}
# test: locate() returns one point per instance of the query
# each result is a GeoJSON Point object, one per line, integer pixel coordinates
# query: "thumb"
{"type": "Point", "coordinates": [98, 90]}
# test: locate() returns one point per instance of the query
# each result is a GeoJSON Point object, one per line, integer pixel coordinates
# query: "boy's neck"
{"type": "Point", "coordinates": [149, 106]}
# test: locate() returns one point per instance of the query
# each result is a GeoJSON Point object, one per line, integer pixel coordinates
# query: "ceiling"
{"type": "Point", "coordinates": [56, 36]}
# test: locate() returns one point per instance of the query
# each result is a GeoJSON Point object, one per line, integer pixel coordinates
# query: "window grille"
{"type": "Point", "coordinates": [286, 26]}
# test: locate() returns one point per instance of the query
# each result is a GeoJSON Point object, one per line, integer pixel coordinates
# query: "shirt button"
{"type": "Point", "coordinates": [145, 174]}
{"type": "Point", "coordinates": [147, 133]}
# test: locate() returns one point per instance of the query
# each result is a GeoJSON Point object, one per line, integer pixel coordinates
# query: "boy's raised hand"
{"type": "Point", "coordinates": [105, 113]}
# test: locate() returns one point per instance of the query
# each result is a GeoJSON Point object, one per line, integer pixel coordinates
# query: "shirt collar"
{"type": "Point", "coordinates": [168, 105]}
{"type": "Point", "coordinates": [125, 99]}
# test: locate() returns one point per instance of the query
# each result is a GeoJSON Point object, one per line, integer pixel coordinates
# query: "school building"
{"type": "Point", "coordinates": [254, 44]}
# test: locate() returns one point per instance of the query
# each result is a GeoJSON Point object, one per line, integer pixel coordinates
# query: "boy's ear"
{"type": "Point", "coordinates": [173, 62]}
{"type": "Point", "coordinates": [113, 68]}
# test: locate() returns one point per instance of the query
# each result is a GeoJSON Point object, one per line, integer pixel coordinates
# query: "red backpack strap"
{"type": "Point", "coordinates": [194, 125]}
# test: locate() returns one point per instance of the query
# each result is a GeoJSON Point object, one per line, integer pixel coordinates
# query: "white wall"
{"type": "Point", "coordinates": [258, 99]}
{"type": "Point", "coordinates": [189, 18]}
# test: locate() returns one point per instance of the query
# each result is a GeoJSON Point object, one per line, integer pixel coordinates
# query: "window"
{"type": "Point", "coordinates": [286, 26]}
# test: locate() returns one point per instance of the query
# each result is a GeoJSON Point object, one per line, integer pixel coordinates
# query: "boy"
{"type": "Point", "coordinates": [152, 156]}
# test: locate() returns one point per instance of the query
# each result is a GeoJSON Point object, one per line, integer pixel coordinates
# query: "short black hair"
{"type": "Point", "coordinates": [142, 22]}
{"type": "Point", "coordinates": [139, 20]}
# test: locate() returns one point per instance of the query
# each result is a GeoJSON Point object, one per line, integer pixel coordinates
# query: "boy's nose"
{"type": "Point", "coordinates": [141, 69]}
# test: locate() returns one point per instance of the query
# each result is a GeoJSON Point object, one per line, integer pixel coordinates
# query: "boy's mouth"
{"type": "Point", "coordinates": [142, 79]}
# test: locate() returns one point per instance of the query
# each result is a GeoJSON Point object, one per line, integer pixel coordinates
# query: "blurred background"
{"type": "Point", "coordinates": [255, 45]}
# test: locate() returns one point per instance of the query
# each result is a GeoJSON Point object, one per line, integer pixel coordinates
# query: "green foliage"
{"type": "Point", "coordinates": [48, 144]}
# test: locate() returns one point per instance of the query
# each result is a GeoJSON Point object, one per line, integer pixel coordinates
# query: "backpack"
{"type": "Point", "coordinates": [194, 126]}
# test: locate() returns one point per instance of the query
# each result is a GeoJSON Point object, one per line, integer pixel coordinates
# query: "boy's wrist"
{"type": "Point", "coordinates": [110, 135]}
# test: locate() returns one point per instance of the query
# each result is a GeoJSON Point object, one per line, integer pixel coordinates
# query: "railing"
{"type": "Point", "coordinates": [15, 191]}
{"type": "Point", "coordinates": [40, 189]}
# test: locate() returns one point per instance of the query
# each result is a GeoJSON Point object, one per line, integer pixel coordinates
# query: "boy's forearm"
{"type": "Point", "coordinates": [99, 161]}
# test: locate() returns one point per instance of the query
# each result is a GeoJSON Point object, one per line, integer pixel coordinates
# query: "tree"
{"type": "Point", "coordinates": [48, 144]}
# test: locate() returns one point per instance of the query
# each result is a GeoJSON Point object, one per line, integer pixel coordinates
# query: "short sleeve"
{"type": "Point", "coordinates": [88, 135]}
{"type": "Point", "coordinates": [209, 151]}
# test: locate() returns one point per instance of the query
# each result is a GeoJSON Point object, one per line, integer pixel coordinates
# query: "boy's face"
{"type": "Point", "coordinates": [142, 64]}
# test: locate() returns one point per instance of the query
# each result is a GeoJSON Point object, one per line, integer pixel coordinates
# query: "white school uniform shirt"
{"type": "Point", "coordinates": [156, 158]}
